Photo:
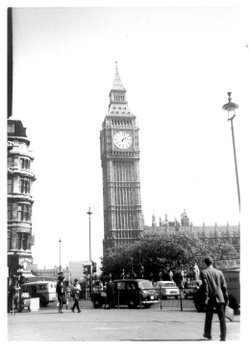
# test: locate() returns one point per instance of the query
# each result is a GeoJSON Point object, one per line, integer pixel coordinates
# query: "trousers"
{"type": "Point", "coordinates": [60, 300]}
{"type": "Point", "coordinates": [220, 310]}
{"type": "Point", "coordinates": [76, 305]}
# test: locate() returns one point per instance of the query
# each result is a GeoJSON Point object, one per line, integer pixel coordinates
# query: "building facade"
{"type": "Point", "coordinates": [20, 200]}
{"type": "Point", "coordinates": [211, 234]}
{"type": "Point", "coordinates": [120, 155]}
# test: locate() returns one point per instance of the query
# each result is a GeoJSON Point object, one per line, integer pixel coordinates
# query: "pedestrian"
{"type": "Point", "coordinates": [67, 295]}
{"type": "Point", "coordinates": [216, 297]}
{"type": "Point", "coordinates": [196, 272]}
{"type": "Point", "coordinates": [171, 274]}
{"type": "Point", "coordinates": [76, 288]}
{"type": "Point", "coordinates": [60, 293]}
{"type": "Point", "coordinates": [110, 295]}
{"type": "Point", "coordinates": [14, 295]}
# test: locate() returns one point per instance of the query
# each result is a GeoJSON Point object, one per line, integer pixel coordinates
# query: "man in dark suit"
{"type": "Point", "coordinates": [216, 297]}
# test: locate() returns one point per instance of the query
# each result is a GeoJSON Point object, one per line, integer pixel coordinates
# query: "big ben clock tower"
{"type": "Point", "coordinates": [123, 223]}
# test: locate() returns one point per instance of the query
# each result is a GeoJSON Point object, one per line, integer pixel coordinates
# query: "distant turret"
{"type": "Point", "coordinates": [184, 219]}
{"type": "Point", "coordinates": [153, 221]}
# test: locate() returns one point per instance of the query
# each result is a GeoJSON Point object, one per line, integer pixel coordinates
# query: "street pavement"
{"type": "Point", "coordinates": [154, 324]}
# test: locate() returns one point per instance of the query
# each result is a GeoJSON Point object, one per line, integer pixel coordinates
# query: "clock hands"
{"type": "Point", "coordinates": [125, 137]}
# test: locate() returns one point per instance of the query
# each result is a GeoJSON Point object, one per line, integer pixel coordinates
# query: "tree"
{"type": "Point", "coordinates": [158, 252]}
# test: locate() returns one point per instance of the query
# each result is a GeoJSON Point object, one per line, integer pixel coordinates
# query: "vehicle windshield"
{"type": "Point", "coordinates": [168, 285]}
{"type": "Point", "coordinates": [145, 285]}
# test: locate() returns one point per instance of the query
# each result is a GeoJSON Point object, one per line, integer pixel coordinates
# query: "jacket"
{"type": "Point", "coordinates": [214, 284]}
{"type": "Point", "coordinates": [76, 288]}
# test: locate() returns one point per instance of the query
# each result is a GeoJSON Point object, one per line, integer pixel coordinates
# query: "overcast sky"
{"type": "Point", "coordinates": [177, 65]}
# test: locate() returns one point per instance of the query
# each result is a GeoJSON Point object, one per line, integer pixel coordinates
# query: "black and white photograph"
{"type": "Point", "coordinates": [127, 176]}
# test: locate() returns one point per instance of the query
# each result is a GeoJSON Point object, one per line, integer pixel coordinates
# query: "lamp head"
{"type": "Point", "coordinates": [230, 107]}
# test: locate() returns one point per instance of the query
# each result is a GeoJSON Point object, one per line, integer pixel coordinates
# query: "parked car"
{"type": "Point", "coordinates": [45, 290]}
{"type": "Point", "coordinates": [167, 289]}
{"type": "Point", "coordinates": [130, 292]}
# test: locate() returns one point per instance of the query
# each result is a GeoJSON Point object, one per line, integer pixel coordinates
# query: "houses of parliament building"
{"type": "Point", "coordinates": [211, 234]}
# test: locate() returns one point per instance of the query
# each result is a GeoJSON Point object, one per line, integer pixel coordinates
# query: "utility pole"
{"type": "Point", "coordinates": [89, 213]}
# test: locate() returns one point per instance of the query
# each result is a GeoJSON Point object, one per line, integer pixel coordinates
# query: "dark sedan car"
{"type": "Point", "coordinates": [129, 292]}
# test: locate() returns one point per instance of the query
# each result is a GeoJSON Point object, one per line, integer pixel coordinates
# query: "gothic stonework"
{"type": "Point", "coordinates": [210, 234]}
{"type": "Point", "coordinates": [123, 221]}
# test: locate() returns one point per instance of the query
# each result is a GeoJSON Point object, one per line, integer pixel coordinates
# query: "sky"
{"type": "Point", "coordinates": [177, 65]}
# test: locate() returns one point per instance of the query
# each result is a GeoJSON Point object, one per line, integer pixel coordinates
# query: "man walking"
{"type": "Point", "coordinates": [60, 292]}
{"type": "Point", "coordinates": [216, 297]}
{"type": "Point", "coordinates": [76, 288]}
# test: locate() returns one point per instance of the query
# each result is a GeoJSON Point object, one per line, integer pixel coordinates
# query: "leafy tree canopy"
{"type": "Point", "coordinates": [156, 253]}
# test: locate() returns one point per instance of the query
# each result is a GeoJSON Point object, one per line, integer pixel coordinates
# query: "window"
{"type": "Point", "coordinates": [131, 286]}
{"type": "Point", "coordinates": [8, 240]}
{"type": "Point", "coordinates": [10, 185]}
{"type": "Point", "coordinates": [25, 185]}
{"type": "Point", "coordinates": [19, 241]}
{"type": "Point", "coordinates": [10, 215]}
{"type": "Point", "coordinates": [25, 163]}
{"type": "Point", "coordinates": [121, 286]}
{"type": "Point", "coordinates": [11, 128]}
{"type": "Point", "coordinates": [24, 212]}
{"type": "Point", "coordinates": [22, 241]}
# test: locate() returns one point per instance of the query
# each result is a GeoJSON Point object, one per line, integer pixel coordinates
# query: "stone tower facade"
{"type": "Point", "coordinates": [120, 155]}
{"type": "Point", "coordinates": [20, 201]}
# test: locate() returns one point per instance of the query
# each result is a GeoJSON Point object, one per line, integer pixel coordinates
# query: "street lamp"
{"type": "Point", "coordinates": [60, 266]}
{"type": "Point", "coordinates": [89, 213]}
{"type": "Point", "coordinates": [230, 107]}
{"type": "Point", "coordinates": [90, 259]}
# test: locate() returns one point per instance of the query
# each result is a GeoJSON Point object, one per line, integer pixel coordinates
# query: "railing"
{"type": "Point", "coordinates": [182, 302]}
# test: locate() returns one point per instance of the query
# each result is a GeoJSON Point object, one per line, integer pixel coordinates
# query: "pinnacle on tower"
{"type": "Point", "coordinates": [117, 84]}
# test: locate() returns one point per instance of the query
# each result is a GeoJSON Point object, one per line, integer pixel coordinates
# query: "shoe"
{"type": "Point", "coordinates": [79, 311]}
{"type": "Point", "coordinates": [222, 339]}
{"type": "Point", "coordinates": [72, 310]}
{"type": "Point", "coordinates": [207, 336]}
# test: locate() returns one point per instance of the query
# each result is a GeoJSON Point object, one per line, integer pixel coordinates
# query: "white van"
{"type": "Point", "coordinates": [45, 290]}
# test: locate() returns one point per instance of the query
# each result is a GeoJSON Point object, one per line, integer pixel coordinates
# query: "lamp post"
{"type": "Point", "coordinates": [60, 266]}
{"type": "Point", "coordinates": [230, 107]}
{"type": "Point", "coordinates": [90, 258]}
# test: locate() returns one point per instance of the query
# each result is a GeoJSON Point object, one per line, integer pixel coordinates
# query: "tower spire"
{"type": "Point", "coordinates": [117, 84]}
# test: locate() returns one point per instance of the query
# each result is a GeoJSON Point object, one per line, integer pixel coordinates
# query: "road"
{"type": "Point", "coordinates": [155, 324]}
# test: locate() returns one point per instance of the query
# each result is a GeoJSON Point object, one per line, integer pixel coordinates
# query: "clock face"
{"type": "Point", "coordinates": [122, 140]}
